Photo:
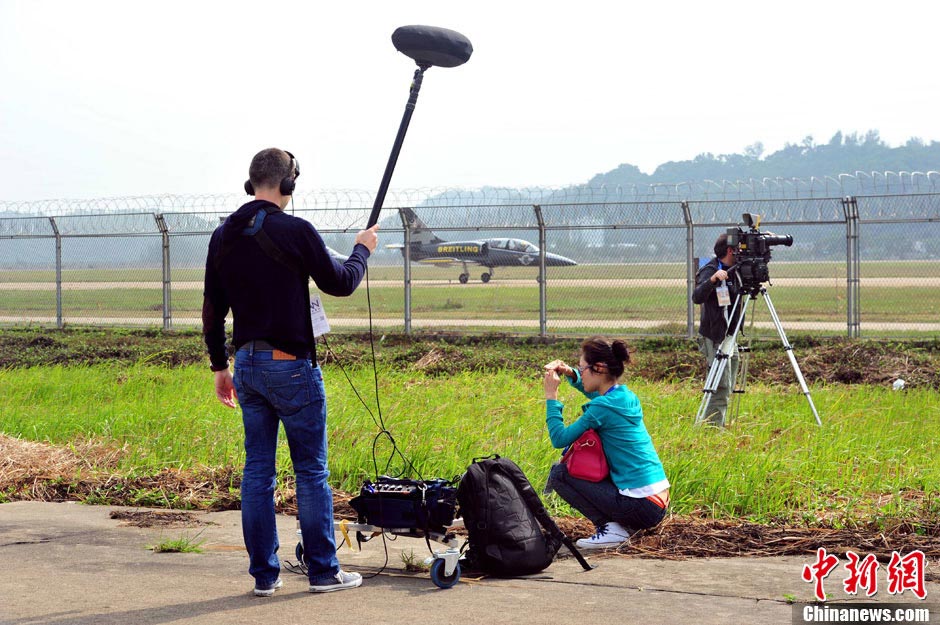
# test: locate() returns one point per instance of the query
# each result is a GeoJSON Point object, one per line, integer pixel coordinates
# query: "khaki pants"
{"type": "Point", "coordinates": [718, 404]}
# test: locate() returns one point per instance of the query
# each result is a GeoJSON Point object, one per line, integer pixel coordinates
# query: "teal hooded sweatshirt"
{"type": "Point", "coordinates": [617, 417]}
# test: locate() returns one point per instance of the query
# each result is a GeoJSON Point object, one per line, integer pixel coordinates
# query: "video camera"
{"type": "Point", "coordinates": [752, 251]}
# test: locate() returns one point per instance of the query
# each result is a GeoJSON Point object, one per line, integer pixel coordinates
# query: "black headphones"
{"type": "Point", "coordinates": [287, 184]}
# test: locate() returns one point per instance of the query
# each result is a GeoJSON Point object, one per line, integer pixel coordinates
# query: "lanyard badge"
{"type": "Point", "coordinates": [724, 297]}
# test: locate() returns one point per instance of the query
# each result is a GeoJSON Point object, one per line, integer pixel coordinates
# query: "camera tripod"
{"type": "Point", "coordinates": [727, 347]}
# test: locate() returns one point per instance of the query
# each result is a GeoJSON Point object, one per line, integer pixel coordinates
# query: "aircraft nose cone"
{"type": "Point", "coordinates": [558, 260]}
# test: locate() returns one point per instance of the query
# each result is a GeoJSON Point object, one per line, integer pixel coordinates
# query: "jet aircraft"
{"type": "Point", "coordinates": [426, 247]}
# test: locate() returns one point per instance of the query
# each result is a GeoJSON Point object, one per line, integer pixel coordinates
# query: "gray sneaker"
{"type": "Point", "coordinates": [267, 591]}
{"type": "Point", "coordinates": [343, 580]}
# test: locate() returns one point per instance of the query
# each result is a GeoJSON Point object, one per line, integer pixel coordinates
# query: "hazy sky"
{"type": "Point", "coordinates": [130, 98]}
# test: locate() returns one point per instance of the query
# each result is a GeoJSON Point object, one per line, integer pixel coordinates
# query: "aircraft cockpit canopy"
{"type": "Point", "coordinates": [516, 245]}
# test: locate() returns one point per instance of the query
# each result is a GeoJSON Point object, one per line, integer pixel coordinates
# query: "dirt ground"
{"type": "Point", "coordinates": [830, 360]}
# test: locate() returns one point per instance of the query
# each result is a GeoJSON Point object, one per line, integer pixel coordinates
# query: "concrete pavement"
{"type": "Point", "coordinates": [68, 563]}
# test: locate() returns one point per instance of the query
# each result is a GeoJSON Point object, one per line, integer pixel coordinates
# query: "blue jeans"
{"type": "Point", "coordinates": [601, 502]}
{"type": "Point", "coordinates": [289, 392]}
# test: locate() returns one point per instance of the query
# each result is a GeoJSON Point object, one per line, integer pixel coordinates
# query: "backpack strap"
{"type": "Point", "coordinates": [534, 503]}
{"type": "Point", "coordinates": [549, 524]}
{"type": "Point", "coordinates": [483, 503]}
{"type": "Point", "coordinates": [472, 496]}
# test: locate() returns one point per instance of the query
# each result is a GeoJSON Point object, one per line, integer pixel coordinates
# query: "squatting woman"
{"type": "Point", "coordinates": [636, 493]}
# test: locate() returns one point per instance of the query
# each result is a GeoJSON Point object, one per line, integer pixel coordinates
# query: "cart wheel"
{"type": "Point", "coordinates": [437, 574]}
{"type": "Point", "coordinates": [299, 552]}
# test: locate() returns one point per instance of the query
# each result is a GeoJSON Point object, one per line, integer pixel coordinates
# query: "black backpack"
{"type": "Point", "coordinates": [510, 532]}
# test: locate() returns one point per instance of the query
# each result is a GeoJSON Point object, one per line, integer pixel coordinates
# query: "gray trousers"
{"type": "Point", "coordinates": [718, 404]}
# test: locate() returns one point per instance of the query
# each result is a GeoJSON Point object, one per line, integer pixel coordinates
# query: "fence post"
{"type": "Point", "coordinates": [407, 256]}
{"type": "Point", "coordinates": [165, 234]}
{"type": "Point", "coordinates": [58, 273]}
{"type": "Point", "coordinates": [689, 269]}
{"type": "Point", "coordinates": [852, 267]}
{"type": "Point", "coordinates": [543, 295]}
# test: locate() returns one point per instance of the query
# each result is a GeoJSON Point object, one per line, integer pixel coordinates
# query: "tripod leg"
{"type": "Point", "coordinates": [712, 380]}
{"type": "Point", "coordinates": [724, 356]}
{"type": "Point", "coordinates": [789, 349]}
{"type": "Point", "coordinates": [740, 377]}
{"type": "Point", "coordinates": [738, 383]}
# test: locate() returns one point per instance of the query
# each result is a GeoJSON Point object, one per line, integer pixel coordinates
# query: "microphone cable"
{"type": "Point", "coordinates": [379, 422]}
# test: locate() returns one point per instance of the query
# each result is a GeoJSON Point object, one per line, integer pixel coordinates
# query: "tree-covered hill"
{"type": "Point", "coordinates": [842, 154]}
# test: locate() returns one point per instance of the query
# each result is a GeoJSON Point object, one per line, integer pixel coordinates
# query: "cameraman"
{"type": "Point", "coordinates": [716, 294]}
{"type": "Point", "coordinates": [259, 264]}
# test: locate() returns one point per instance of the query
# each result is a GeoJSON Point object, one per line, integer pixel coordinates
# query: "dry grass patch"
{"type": "Point", "coordinates": [31, 470]}
{"type": "Point", "coordinates": [157, 518]}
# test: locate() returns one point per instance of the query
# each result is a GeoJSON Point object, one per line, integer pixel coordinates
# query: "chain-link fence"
{"type": "Point", "coordinates": [570, 262]}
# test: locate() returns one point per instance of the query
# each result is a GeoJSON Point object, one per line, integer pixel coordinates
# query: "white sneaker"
{"type": "Point", "coordinates": [608, 536]}
{"type": "Point", "coordinates": [267, 591]}
{"type": "Point", "coordinates": [343, 581]}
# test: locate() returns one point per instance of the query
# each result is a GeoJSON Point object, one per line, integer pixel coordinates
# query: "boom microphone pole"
{"type": "Point", "coordinates": [429, 47]}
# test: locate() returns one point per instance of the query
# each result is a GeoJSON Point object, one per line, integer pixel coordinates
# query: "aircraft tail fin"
{"type": "Point", "coordinates": [420, 233]}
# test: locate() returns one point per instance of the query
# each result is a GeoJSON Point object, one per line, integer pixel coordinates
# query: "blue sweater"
{"type": "Point", "coordinates": [617, 417]}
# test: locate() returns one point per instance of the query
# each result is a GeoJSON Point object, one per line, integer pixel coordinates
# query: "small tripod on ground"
{"type": "Point", "coordinates": [727, 347]}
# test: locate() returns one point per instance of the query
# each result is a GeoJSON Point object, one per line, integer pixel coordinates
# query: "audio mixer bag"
{"type": "Point", "coordinates": [403, 504]}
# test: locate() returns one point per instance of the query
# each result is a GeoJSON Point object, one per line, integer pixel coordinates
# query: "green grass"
{"type": "Point", "coordinates": [874, 458]}
{"type": "Point", "coordinates": [879, 304]}
{"type": "Point", "coordinates": [183, 544]}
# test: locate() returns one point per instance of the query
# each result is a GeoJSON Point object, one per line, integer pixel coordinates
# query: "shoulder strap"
{"type": "Point", "coordinates": [481, 500]}
{"type": "Point", "coordinates": [268, 246]}
{"type": "Point", "coordinates": [271, 249]}
{"type": "Point", "coordinates": [534, 503]}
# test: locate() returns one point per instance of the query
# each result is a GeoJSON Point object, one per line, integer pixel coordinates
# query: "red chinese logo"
{"type": "Point", "coordinates": [819, 570]}
{"type": "Point", "coordinates": [904, 573]}
{"type": "Point", "coordinates": [861, 573]}
{"type": "Point", "coordinates": [907, 573]}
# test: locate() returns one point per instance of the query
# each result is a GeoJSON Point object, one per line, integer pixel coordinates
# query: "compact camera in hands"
{"type": "Point", "coordinates": [752, 251]}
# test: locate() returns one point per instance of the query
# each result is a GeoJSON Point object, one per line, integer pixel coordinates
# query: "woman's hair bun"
{"type": "Point", "coordinates": [598, 350]}
{"type": "Point", "coordinates": [619, 348]}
